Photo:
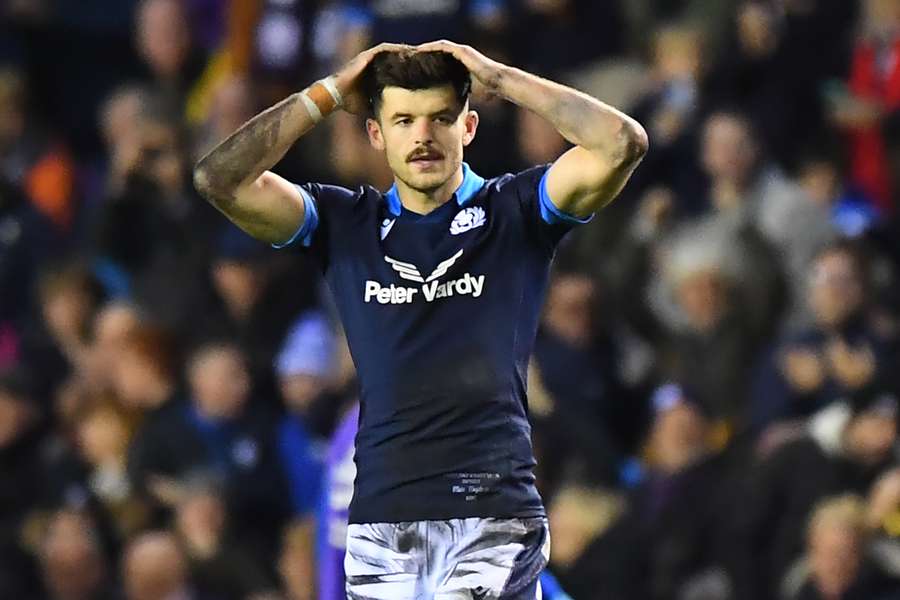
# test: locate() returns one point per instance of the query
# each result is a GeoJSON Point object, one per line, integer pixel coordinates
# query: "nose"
{"type": "Point", "coordinates": [423, 131]}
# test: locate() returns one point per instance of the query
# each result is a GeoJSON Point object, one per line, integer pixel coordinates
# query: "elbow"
{"type": "Point", "coordinates": [202, 180]}
{"type": "Point", "coordinates": [633, 143]}
{"type": "Point", "coordinates": [207, 184]}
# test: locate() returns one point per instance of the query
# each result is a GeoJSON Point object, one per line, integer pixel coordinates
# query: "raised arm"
{"type": "Point", "coordinates": [608, 143]}
{"type": "Point", "coordinates": [234, 176]}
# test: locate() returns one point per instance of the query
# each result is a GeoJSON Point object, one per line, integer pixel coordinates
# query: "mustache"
{"type": "Point", "coordinates": [424, 153]}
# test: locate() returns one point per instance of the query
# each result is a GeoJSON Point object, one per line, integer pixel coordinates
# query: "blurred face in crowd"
{"type": "Point", "coordinates": [12, 107]}
{"type": "Point", "coordinates": [882, 17]}
{"type": "Point", "coordinates": [538, 140]}
{"type": "Point", "coordinates": [71, 560]}
{"type": "Point", "coordinates": [679, 435]}
{"type": "Point", "coordinates": [703, 296]}
{"type": "Point", "coordinates": [103, 437]}
{"type": "Point", "coordinates": [112, 325]}
{"type": "Point", "coordinates": [220, 384]}
{"type": "Point", "coordinates": [239, 284]}
{"type": "Point", "coordinates": [870, 437]}
{"type": "Point", "coordinates": [729, 151]}
{"type": "Point", "coordinates": [16, 418]}
{"type": "Point", "coordinates": [232, 106]}
{"type": "Point", "coordinates": [836, 290]}
{"type": "Point", "coordinates": [200, 519]}
{"type": "Point", "coordinates": [299, 390]}
{"type": "Point", "coordinates": [678, 53]}
{"type": "Point", "coordinates": [121, 115]}
{"type": "Point", "coordinates": [66, 307]}
{"type": "Point", "coordinates": [160, 155]}
{"type": "Point", "coordinates": [135, 378]}
{"type": "Point", "coordinates": [154, 568]}
{"type": "Point", "coordinates": [569, 307]}
{"type": "Point", "coordinates": [884, 499]}
{"type": "Point", "coordinates": [422, 133]}
{"type": "Point", "coordinates": [821, 182]}
{"type": "Point", "coordinates": [835, 554]}
{"type": "Point", "coordinates": [163, 36]}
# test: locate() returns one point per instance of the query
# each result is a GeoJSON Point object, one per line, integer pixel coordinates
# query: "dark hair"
{"type": "Point", "coordinates": [413, 70]}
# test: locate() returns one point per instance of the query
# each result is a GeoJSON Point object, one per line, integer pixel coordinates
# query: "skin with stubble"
{"type": "Point", "coordinates": [423, 133]}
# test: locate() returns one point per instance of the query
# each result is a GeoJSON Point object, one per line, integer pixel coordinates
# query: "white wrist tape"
{"type": "Point", "coordinates": [331, 86]}
{"type": "Point", "coordinates": [311, 107]}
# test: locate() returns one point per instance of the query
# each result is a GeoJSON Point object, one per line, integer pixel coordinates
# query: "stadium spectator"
{"type": "Point", "coordinates": [846, 447]}
{"type": "Point", "coordinates": [840, 352]}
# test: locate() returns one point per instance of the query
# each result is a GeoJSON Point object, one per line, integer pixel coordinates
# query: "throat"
{"type": "Point", "coordinates": [424, 201]}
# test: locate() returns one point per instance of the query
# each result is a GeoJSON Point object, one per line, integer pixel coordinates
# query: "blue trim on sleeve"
{"type": "Point", "coordinates": [310, 221]}
{"type": "Point", "coordinates": [549, 211]}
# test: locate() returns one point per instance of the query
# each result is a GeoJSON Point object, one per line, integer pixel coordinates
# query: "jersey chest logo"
{"type": "Point", "coordinates": [466, 219]}
{"type": "Point", "coordinates": [431, 288]}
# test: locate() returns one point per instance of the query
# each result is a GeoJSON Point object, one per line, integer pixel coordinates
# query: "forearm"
{"type": "Point", "coordinates": [251, 150]}
{"type": "Point", "coordinates": [580, 118]}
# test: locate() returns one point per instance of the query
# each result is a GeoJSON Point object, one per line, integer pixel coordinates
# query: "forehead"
{"type": "Point", "coordinates": [417, 102]}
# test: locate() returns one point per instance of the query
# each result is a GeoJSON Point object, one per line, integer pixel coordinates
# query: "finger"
{"type": "Point", "coordinates": [438, 46]}
{"type": "Point", "coordinates": [388, 47]}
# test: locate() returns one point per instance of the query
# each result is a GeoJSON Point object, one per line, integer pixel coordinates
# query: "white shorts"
{"type": "Point", "coordinates": [458, 559]}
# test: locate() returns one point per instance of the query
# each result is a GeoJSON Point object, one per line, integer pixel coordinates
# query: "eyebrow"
{"type": "Point", "coordinates": [444, 111]}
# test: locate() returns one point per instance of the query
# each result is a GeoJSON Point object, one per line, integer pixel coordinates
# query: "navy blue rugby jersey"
{"type": "Point", "coordinates": [440, 312]}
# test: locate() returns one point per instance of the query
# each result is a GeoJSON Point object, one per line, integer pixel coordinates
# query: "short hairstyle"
{"type": "Point", "coordinates": [413, 70]}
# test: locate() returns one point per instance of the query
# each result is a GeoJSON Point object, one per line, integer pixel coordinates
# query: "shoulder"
{"type": "Point", "coordinates": [517, 183]}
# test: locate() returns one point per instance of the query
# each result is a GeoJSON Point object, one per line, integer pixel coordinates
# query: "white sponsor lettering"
{"type": "Point", "coordinates": [467, 285]}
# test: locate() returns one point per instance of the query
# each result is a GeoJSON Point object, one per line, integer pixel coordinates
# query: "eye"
{"type": "Point", "coordinates": [444, 120]}
{"type": "Point", "coordinates": [404, 121]}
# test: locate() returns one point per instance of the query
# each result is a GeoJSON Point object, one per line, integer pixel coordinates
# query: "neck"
{"type": "Point", "coordinates": [425, 201]}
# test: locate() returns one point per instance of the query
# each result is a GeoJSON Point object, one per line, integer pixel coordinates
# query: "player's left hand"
{"type": "Point", "coordinates": [485, 71]}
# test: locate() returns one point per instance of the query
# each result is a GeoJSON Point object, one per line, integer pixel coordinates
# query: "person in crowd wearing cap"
{"type": "Point", "coordinates": [668, 542]}
{"type": "Point", "coordinates": [304, 367]}
{"type": "Point", "coordinates": [846, 446]}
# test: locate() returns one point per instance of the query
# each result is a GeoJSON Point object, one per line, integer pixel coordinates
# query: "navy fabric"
{"type": "Point", "coordinates": [440, 312]}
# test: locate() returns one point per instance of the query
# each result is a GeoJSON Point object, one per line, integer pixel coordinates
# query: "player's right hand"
{"type": "Point", "coordinates": [347, 79]}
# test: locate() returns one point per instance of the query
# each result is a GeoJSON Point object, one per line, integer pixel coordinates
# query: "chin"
{"type": "Point", "coordinates": [426, 182]}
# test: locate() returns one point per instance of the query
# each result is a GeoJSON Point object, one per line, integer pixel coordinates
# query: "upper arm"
{"type": "Point", "coordinates": [583, 181]}
{"type": "Point", "coordinates": [270, 208]}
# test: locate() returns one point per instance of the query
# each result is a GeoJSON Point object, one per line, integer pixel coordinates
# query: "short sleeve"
{"type": "Point", "coordinates": [322, 207]}
{"type": "Point", "coordinates": [547, 223]}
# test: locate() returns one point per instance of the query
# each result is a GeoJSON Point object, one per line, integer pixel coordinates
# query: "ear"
{"type": "Point", "coordinates": [471, 125]}
{"type": "Point", "coordinates": [373, 128]}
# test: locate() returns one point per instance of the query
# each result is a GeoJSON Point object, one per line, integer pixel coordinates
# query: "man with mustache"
{"type": "Point", "coordinates": [439, 282]}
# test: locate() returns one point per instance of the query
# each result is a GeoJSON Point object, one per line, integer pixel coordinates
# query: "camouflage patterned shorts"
{"type": "Point", "coordinates": [458, 559]}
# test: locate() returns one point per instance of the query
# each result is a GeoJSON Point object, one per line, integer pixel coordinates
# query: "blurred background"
{"type": "Point", "coordinates": [713, 388]}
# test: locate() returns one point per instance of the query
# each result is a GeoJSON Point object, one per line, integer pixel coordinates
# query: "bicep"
{"type": "Point", "coordinates": [271, 208]}
{"type": "Point", "coordinates": [582, 182]}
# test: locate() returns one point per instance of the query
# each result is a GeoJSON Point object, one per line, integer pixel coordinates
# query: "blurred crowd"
{"type": "Point", "coordinates": [714, 388]}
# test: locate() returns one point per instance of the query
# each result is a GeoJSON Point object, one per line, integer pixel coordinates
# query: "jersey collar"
{"type": "Point", "coordinates": [472, 182]}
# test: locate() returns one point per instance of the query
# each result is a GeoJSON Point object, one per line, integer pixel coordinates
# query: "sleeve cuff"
{"type": "Point", "coordinates": [553, 215]}
{"type": "Point", "coordinates": [310, 222]}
